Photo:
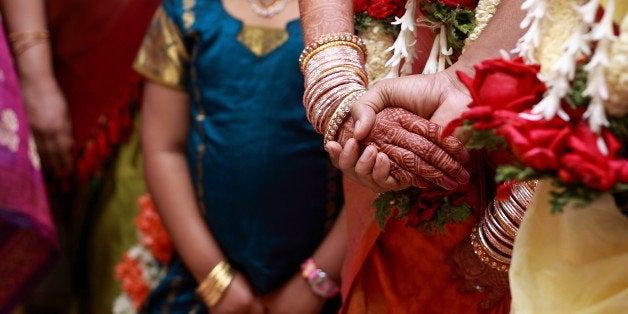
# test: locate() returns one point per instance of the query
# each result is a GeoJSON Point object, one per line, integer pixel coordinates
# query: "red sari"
{"type": "Point", "coordinates": [401, 270]}
{"type": "Point", "coordinates": [94, 45]}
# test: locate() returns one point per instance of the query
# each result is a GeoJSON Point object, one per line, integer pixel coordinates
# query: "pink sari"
{"type": "Point", "coordinates": [28, 241]}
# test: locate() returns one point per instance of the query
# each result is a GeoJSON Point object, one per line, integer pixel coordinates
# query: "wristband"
{"type": "Point", "coordinates": [319, 281]}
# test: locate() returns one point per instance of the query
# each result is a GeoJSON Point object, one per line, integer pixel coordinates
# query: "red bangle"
{"type": "Point", "coordinates": [320, 282]}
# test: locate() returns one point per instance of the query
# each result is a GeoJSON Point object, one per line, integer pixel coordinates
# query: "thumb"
{"type": "Point", "coordinates": [418, 94]}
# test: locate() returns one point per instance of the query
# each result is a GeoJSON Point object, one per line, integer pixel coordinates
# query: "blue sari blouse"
{"type": "Point", "coordinates": [264, 183]}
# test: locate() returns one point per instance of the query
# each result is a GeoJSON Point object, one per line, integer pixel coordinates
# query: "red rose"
{"type": "Point", "coordinates": [538, 144]}
{"type": "Point", "coordinates": [500, 89]}
{"type": "Point", "coordinates": [382, 9]}
{"type": "Point", "coordinates": [360, 6]}
{"type": "Point", "coordinates": [584, 163]}
{"type": "Point", "coordinates": [469, 4]}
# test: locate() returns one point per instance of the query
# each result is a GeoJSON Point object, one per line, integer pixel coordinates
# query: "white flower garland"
{"type": "Point", "coordinates": [562, 72]}
{"type": "Point", "coordinates": [402, 47]}
{"type": "Point", "coordinates": [483, 14]}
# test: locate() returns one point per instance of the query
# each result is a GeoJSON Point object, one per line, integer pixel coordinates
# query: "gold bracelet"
{"type": "Point", "coordinates": [328, 38]}
{"type": "Point", "coordinates": [21, 41]}
{"type": "Point", "coordinates": [303, 60]}
{"type": "Point", "coordinates": [212, 288]}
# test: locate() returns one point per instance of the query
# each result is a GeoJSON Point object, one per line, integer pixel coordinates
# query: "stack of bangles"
{"type": "Point", "coordinates": [334, 74]}
{"type": "Point", "coordinates": [213, 287]}
{"type": "Point", "coordinates": [493, 238]}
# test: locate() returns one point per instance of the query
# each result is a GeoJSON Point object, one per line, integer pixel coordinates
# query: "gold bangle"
{"type": "Point", "coordinates": [328, 38]}
{"type": "Point", "coordinates": [303, 61]}
{"type": "Point", "coordinates": [21, 41]}
{"type": "Point", "coordinates": [480, 252]}
{"type": "Point", "coordinates": [341, 68]}
{"type": "Point", "coordinates": [212, 288]}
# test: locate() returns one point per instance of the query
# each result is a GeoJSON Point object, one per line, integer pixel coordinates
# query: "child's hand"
{"type": "Point", "coordinates": [238, 299]}
{"type": "Point", "coordinates": [295, 296]}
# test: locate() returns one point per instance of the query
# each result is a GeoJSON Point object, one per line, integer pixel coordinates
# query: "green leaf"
{"type": "Point", "coordinates": [517, 172]}
{"type": "Point", "coordinates": [386, 203]}
{"type": "Point", "coordinates": [436, 11]}
{"type": "Point", "coordinates": [364, 21]}
{"type": "Point", "coordinates": [576, 98]}
{"type": "Point", "coordinates": [481, 139]}
{"type": "Point", "coordinates": [462, 22]}
{"type": "Point", "coordinates": [578, 194]}
{"type": "Point", "coordinates": [619, 127]}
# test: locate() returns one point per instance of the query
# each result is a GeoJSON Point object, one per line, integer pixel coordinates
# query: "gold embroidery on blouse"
{"type": "Point", "coordinates": [262, 40]}
{"type": "Point", "coordinates": [163, 57]}
{"type": "Point", "coordinates": [188, 14]}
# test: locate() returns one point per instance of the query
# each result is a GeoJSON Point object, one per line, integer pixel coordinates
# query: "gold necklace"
{"type": "Point", "coordinates": [268, 10]}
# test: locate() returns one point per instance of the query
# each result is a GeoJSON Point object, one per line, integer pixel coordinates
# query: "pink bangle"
{"type": "Point", "coordinates": [320, 282]}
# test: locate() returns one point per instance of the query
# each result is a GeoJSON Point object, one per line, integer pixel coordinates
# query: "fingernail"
{"type": "Point", "coordinates": [356, 126]}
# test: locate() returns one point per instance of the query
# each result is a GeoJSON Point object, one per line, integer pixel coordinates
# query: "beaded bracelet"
{"type": "Point", "coordinates": [340, 114]}
{"type": "Point", "coordinates": [480, 252]}
{"type": "Point", "coordinates": [212, 288]}
{"type": "Point", "coordinates": [346, 38]}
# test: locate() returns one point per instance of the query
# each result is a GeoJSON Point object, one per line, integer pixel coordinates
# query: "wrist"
{"type": "Point", "coordinates": [320, 282]}
{"type": "Point", "coordinates": [345, 132]}
{"type": "Point", "coordinates": [213, 287]}
{"type": "Point", "coordinates": [35, 63]}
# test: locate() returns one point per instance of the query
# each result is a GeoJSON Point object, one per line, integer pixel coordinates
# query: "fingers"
{"type": "Point", "coordinates": [360, 167]}
{"type": "Point", "coordinates": [363, 115]}
{"type": "Point", "coordinates": [56, 152]}
{"type": "Point", "coordinates": [382, 174]}
{"type": "Point", "coordinates": [446, 154]}
{"type": "Point", "coordinates": [395, 92]}
{"type": "Point", "coordinates": [409, 152]}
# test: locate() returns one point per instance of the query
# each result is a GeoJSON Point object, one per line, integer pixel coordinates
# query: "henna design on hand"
{"type": "Point", "coordinates": [419, 155]}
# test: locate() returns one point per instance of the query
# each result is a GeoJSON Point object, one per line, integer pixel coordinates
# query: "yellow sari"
{"type": "Point", "coordinates": [575, 261]}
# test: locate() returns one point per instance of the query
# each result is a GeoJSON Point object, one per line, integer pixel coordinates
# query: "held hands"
{"type": "Point", "coordinates": [49, 119]}
{"type": "Point", "coordinates": [238, 298]}
{"type": "Point", "coordinates": [294, 294]}
{"type": "Point", "coordinates": [411, 151]}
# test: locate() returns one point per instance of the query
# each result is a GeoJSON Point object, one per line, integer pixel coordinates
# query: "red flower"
{"type": "Point", "coordinates": [538, 144]}
{"type": "Point", "coordinates": [382, 9]}
{"type": "Point", "coordinates": [129, 272]}
{"type": "Point", "coordinates": [469, 4]}
{"type": "Point", "coordinates": [153, 233]}
{"type": "Point", "coordinates": [427, 203]}
{"type": "Point", "coordinates": [360, 6]}
{"type": "Point", "coordinates": [500, 90]}
{"type": "Point", "coordinates": [586, 164]}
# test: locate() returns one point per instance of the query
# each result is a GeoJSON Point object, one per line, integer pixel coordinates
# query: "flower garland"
{"type": "Point", "coordinates": [383, 21]}
{"type": "Point", "coordinates": [143, 266]}
{"type": "Point", "coordinates": [553, 122]}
